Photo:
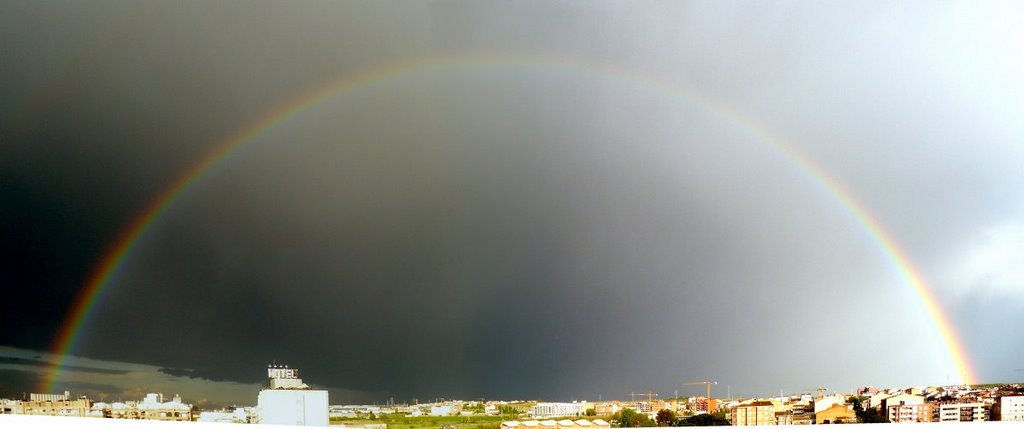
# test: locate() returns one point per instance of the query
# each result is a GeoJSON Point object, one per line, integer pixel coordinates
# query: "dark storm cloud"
{"type": "Point", "coordinates": [7, 360]}
{"type": "Point", "coordinates": [119, 92]}
{"type": "Point", "coordinates": [512, 232]}
{"type": "Point", "coordinates": [117, 380]}
{"type": "Point", "coordinates": [96, 390]}
{"type": "Point", "coordinates": [16, 382]}
{"type": "Point", "coordinates": [188, 372]}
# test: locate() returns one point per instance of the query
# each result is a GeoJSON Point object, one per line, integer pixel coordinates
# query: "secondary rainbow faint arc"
{"type": "Point", "coordinates": [126, 242]}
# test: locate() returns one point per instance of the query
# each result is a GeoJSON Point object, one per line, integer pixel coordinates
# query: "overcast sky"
{"type": "Point", "coordinates": [561, 229]}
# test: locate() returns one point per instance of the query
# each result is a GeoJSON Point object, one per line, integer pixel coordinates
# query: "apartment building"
{"type": "Point", "coordinates": [1011, 408]}
{"type": "Point", "coordinates": [964, 412]}
{"type": "Point", "coordinates": [558, 409]}
{"type": "Point", "coordinates": [757, 413]}
{"type": "Point", "coordinates": [912, 413]}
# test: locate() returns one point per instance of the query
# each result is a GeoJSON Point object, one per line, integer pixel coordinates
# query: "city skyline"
{"type": "Point", "coordinates": [507, 200]}
{"type": "Point", "coordinates": [145, 379]}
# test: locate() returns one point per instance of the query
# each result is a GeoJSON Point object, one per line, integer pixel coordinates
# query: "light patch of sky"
{"type": "Point", "coordinates": [979, 49]}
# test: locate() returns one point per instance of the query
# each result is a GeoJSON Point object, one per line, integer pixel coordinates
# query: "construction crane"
{"type": "Point", "coordinates": [706, 383]}
{"type": "Point", "coordinates": [650, 395]}
{"type": "Point", "coordinates": [821, 390]}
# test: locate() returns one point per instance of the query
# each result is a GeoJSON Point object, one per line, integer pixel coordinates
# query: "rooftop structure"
{"type": "Point", "coordinates": [289, 401]}
{"type": "Point", "coordinates": [52, 397]}
{"type": "Point", "coordinates": [282, 377]}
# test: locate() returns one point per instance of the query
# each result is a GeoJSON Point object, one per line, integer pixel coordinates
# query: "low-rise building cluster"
{"type": "Point", "coordinates": [919, 405]}
{"type": "Point", "coordinates": [683, 406]}
{"type": "Point", "coordinates": [152, 407]}
{"type": "Point", "coordinates": [930, 404]}
{"type": "Point", "coordinates": [417, 409]}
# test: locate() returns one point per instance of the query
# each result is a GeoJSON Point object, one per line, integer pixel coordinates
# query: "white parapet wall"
{"type": "Point", "coordinates": [15, 421]}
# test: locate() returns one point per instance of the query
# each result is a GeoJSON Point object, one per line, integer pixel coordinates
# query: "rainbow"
{"type": "Point", "coordinates": [111, 263]}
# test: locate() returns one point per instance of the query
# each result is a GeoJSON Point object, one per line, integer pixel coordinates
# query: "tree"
{"type": "Point", "coordinates": [865, 416]}
{"type": "Point", "coordinates": [591, 412]}
{"type": "Point", "coordinates": [629, 418]}
{"type": "Point", "coordinates": [666, 418]}
{"type": "Point", "coordinates": [705, 420]}
{"type": "Point", "coordinates": [872, 416]}
{"type": "Point", "coordinates": [856, 402]}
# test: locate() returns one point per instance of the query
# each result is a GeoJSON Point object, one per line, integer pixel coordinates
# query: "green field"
{"type": "Point", "coordinates": [427, 422]}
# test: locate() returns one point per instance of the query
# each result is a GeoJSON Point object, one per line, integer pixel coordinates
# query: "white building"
{"type": "Point", "coordinates": [289, 401]}
{"type": "Point", "coordinates": [1011, 408]}
{"type": "Point", "coordinates": [903, 399]}
{"type": "Point", "coordinates": [342, 411]}
{"type": "Point", "coordinates": [558, 409]}
{"type": "Point", "coordinates": [11, 406]}
{"type": "Point", "coordinates": [966, 412]}
{"type": "Point", "coordinates": [827, 402]}
{"type": "Point", "coordinates": [875, 400]}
